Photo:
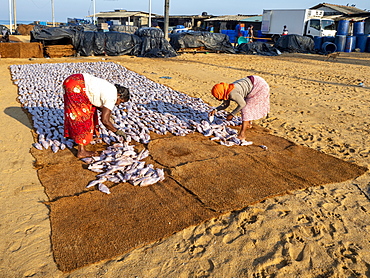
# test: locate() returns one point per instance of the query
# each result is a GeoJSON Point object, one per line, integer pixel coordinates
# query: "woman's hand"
{"type": "Point", "coordinates": [229, 117]}
{"type": "Point", "coordinates": [212, 113]}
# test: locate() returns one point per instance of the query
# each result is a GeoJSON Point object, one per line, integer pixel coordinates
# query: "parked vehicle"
{"type": "Point", "coordinates": [304, 22]}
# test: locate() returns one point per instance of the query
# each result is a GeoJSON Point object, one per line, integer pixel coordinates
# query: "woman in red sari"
{"type": "Point", "coordinates": [84, 94]}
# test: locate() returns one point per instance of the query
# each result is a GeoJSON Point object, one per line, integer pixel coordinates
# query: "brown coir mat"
{"type": "Point", "coordinates": [203, 180]}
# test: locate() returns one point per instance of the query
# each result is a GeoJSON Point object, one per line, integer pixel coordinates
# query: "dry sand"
{"type": "Point", "coordinates": [318, 232]}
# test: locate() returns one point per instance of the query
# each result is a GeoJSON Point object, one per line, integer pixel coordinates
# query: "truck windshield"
{"type": "Point", "coordinates": [327, 24]}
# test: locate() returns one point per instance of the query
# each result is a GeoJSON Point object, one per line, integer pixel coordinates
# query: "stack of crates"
{"type": "Point", "coordinates": [103, 27]}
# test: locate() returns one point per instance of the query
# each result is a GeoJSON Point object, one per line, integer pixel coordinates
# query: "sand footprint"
{"type": "Point", "coordinates": [270, 264]}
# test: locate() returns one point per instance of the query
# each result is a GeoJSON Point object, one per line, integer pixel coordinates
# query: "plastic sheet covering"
{"type": "Point", "coordinates": [39, 34]}
{"type": "Point", "coordinates": [85, 45]}
{"type": "Point", "coordinates": [154, 44]}
{"type": "Point", "coordinates": [211, 41]}
{"type": "Point", "coordinates": [257, 48]}
{"type": "Point", "coordinates": [89, 43]}
{"type": "Point", "coordinates": [108, 43]}
{"type": "Point", "coordinates": [124, 29]}
{"type": "Point", "coordinates": [295, 43]}
{"type": "Point", "coordinates": [122, 44]}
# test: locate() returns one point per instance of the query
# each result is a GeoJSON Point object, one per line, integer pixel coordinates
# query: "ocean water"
{"type": "Point", "coordinates": [6, 22]}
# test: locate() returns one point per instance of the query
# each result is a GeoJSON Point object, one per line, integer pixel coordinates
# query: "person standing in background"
{"type": "Point", "coordinates": [285, 31]}
{"type": "Point", "coordinates": [250, 33]}
{"type": "Point", "coordinates": [239, 28]}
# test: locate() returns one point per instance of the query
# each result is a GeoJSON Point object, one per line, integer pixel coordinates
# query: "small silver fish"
{"type": "Point", "coordinates": [38, 146]}
{"type": "Point", "coordinates": [149, 181]}
{"type": "Point", "coordinates": [45, 144]}
{"type": "Point", "coordinates": [95, 182]}
{"type": "Point", "coordinates": [54, 148]}
{"type": "Point", "coordinates": [160, 174]}
{"type": "Point", "coordinates": [246, 143]}
{"type": "Point", "coordinates": [103, 188]}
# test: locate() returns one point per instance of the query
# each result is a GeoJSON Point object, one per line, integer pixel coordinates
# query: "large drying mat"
{"type": "Point", "coordinates": [203, 180]}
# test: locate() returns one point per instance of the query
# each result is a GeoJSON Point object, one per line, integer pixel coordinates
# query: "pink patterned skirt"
{"type": "Point", "coordinates": [258, 100]}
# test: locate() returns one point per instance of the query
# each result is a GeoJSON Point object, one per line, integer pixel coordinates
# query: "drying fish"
{"type": "Point", "coordinates": [96, 182]}
{"type": "Point", "coordinates": [153, 107]}
{"type": "Point", "coordinates": [38, 146]}
{"type": "Point", "coordinates": [54, 148]}
{"type": "Point", "coordinates": [160, 174]}
{"type": "Point", "coordinates": [103, 188]}
{"type": "Point", "coordinates": [149, 181]}
{"type": "Point", "coordinates": [246, 143]}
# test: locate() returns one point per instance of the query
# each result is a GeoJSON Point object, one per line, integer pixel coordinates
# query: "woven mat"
{"type": "Point", "coordinates": [203, 180]}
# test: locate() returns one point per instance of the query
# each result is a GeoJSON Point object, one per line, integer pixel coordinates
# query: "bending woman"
{"type": "Point", "coordinates": [252, 95]}
{"type": "Point", "coordinates": [84, 94]}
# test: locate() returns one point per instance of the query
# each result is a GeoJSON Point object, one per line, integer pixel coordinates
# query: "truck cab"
{"type": "Point", "coordinates": [320, 27]}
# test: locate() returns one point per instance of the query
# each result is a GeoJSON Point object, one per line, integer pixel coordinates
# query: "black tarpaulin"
{"type": "Point", "coordinates": [258, 48]}
{"type": "Point", "coordinates": [295, 43]}
{"type": "Point", "coordinates": [154, 44]}
{"type": "Point", "coordinates": [211, 41]}
{"type": "Point", "coordinates": [122, 44]}
{"type": "Point", "coordinates": [89, 43]}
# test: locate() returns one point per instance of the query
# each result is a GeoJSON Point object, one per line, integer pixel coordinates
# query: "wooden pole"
{"type": "Point", "coordinates": [52, 13]}
{"type": "Point", "coordinates": [10, 17]}
{"type": "Point", "coordinates": [166, 17]}
{"type": "Point", "coordinates": [15, 15]}
{"type": "Point", "coordinates": [150, 13]}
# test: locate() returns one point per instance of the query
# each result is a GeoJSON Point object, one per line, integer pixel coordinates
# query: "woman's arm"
{"type": "Point", "coordinates": [105, 119]}
{"type": "Point", "coordinates": [223, 106]}
{"type": "Point", "coordinates": [240, 102]}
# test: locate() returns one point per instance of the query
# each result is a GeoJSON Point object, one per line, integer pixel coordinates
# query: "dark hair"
{"type": "Point", "coordinates": [123, 92]}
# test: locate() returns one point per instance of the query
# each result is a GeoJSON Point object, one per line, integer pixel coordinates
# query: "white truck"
{"type": "Point", "coordinates": [304, 22]}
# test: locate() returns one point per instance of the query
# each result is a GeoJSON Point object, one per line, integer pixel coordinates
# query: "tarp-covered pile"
{"type": "Point", "coordinates": [148, 42]}
{"type": "Point", "coordinates": [108, 43]}
{"type": "Point", "coordinates": [257, 48]}
{"type": "Point", "coordinates": [211, 41]}
{"type": "Point", "coordinates": [154, 44]}
{"type": "Point", "coordinates": [295, 43]}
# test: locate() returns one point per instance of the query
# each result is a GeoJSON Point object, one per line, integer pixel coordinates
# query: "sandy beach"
{"type": "Point", "coordinates": [317, 232]}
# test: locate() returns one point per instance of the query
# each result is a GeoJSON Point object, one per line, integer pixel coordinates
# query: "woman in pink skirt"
{"type": "Point", "coordinates": [252, 95]}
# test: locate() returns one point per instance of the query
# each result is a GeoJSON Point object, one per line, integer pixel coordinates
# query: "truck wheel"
{"type": "Point", "coordinates": [274, 38]}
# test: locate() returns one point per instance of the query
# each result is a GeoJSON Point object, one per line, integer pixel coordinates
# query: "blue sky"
{"type": "Point", "coordinates": [31, 10]}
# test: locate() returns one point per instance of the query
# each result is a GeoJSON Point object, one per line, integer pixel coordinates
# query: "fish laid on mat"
{"type": "Point", "coordinates": [152, 107]}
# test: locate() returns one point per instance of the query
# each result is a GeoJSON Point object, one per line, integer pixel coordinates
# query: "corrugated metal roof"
{"type": "Point", "coordinates": [186, 16]}
{"type": "Point", "coordinates": [257, 18]}
{"type": "Point", "coordinates": [121, 14]}
{"type": "Point", "coordinates": [344, 17]}
{"type": "Point", "coordinates": [238, 17]}
{"type": "Point", "coordinates": [340, 8]}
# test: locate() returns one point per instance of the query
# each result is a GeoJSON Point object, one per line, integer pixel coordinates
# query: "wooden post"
{"type": "Point", "coordinates": [166, 17]}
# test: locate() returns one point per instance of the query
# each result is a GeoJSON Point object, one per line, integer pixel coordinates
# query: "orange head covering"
{"type": "Point", "coordinates": [222, 90]}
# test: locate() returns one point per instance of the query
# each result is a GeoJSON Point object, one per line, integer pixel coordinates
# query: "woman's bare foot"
{"type": "Point", "coordinates": [240, 137]}
{"type": "Point", "coordinates": [84, 154]}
